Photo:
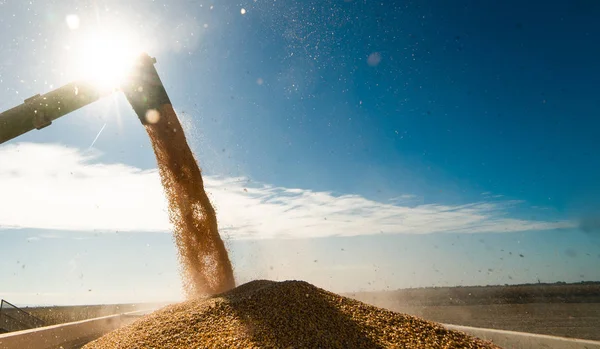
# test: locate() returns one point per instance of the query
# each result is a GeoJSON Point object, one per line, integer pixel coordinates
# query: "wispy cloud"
{"type": "Point", "coordinates": [48, 186]}
{"type": "Point", "coordinates": [403, 197]}
{"type": "Point", "coordinates": [489, 195]}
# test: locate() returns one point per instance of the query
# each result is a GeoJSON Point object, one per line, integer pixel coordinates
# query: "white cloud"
{"type": "Point", "coordinates": [54, 187]}
{"type": "Point", "coordinates": [48, 186]}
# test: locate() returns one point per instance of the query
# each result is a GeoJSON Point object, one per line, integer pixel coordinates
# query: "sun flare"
{"type": "Point", "coordinates": [106, 57]}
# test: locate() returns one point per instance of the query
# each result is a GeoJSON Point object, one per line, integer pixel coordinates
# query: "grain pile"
{"type": "Point", "coordinates": [205, 264]}
{"type": "Point", "coordinates": [289, 314]}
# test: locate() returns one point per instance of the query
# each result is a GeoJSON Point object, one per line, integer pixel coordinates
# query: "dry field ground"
{"type": "Point", "coordinates": [575, 320]}
{"type": "Point", "coordinates": [61, 314]}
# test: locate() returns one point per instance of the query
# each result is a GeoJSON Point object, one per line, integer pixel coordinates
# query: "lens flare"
{"type": "Point", "coordinates": [72, 22]}
{"type": "Point", "coordinates": [152, 116]}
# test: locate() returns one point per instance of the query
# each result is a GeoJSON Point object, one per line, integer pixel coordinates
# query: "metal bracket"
{"type": "Point", "coordinates": [40, 120]}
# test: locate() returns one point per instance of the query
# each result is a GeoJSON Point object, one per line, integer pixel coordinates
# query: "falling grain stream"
{"type": "Point", "coordinates": [206, 267]}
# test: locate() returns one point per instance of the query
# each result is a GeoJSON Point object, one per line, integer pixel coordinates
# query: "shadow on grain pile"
{"type": "Point", "coordinates": [289, 314]}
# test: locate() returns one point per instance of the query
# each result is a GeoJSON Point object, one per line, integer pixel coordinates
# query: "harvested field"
{"type": "Point", "coordinates": [61, 314]}
{"type": "Point", "coordinates": [566, 310]}
{"type": "Point", "coordinates": [576, 320]}
{"type": "Point", "coordinates": [289, 314]}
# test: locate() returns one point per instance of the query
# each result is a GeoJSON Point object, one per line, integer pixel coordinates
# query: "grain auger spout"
{"type": "Point", "coordinates": [142, 87]}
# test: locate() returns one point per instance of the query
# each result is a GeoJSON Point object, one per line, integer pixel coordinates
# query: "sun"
{"type": "Point", "coordinates": [106, 57]}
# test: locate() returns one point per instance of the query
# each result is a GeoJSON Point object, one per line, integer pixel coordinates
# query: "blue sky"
{"type": "Point", "coordinates": [354, 144]}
